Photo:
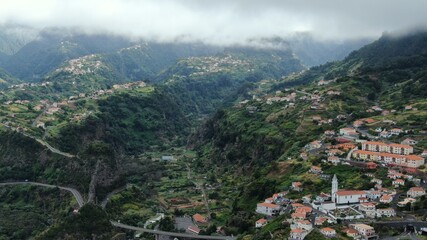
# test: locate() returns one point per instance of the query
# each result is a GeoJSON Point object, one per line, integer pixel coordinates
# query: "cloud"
{"type": "Point", "coordinates": [221, 22]}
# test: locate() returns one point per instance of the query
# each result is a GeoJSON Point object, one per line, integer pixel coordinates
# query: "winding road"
{"type": "Point", "coordinates": [172, 234]}
{"type": "Point", "coordinates": [75, 192]}
{"type": "Point", "coordinates": [81, 202]}
{"type": "Point", "coordinates": [52, 149]}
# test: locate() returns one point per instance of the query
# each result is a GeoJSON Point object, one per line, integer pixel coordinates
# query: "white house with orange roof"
{"type": "Point", "coordinates": [351, 233]}
{"type": "Point", "coordinates": [385, 212]}
{"type": "Point", "coordinates": [366, 231]}
{"type": "Point", "coordinates": [398, 182]}
{"type": "Point", "coordinates": [269, 209]}
{"type": "Point", "coordinates": [261, 223]}
{"type": "Point", "coordinates": [303, 224]}
{"type": "Point", "coordinates": [298, 234]}
{"type": "Point", "coordinates": [415, 192]}
{"type": "Point", "coordinates": [328, 232]}
{"type": "Point", "coordinates": [409, 141]}
{"type": "Point", "coordinates": [368, 209]}
{"type": "Point", "coordinates": [386, 198]}
{"type": "Point", "coordinates": [297, 186]}
{"type": "Point", "coordinates": [351, 132]}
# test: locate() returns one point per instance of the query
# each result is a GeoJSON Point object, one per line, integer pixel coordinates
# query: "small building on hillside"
{"type": "Point", "coordinates": [268, 209]}
{"type": "Point", "coordinates": [415, 192]}
{"type": "Point", "coordinates": [328, 232]}
{"type": "Point", "coordinates": [261, 223]}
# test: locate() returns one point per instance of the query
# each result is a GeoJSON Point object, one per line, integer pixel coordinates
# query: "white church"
{"type": "Point", "coordinates": [340, 198]}
{"type": "Point", "coordinates": [346, 197]}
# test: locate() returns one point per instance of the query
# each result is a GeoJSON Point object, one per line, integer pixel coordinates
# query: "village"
{"type": "Point", "coordinates": [367, 143]}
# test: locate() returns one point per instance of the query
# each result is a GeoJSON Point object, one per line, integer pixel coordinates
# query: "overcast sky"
{"type": "Point", "coordinates": [221, 21]}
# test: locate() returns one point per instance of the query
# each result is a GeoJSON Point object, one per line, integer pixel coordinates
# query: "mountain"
{"type": "Point", "coordinates": [203, 84]}
{"type": "Point", "coordinates": [14, 37]}
{"type": "Point", "coordinates": [267, 142]}
{"type": "Point", "coordinates": [389, 72]}
{"type": "Point", "coordinates": [313, 52]}
{"type": "Point", "coordinates": [52, 47]}
{"type": "Point", "coordinates": [6, 79]}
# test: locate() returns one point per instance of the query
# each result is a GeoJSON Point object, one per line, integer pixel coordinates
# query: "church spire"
{"type": "Point", "coordinates": [334, 189]}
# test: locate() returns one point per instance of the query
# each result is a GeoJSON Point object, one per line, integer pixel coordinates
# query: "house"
{"type": "Point", "coordinates": [385, 134]}
{"type": "Point", "coordinates": [386, 198]}
{"type": "Point", "coordinates": [368, 120]}
{"type": "Point", "coordinates": [358, 123]}
{"type": "Point", "coordinates": [307, 198]}
{"type": "Point", "coordinates": [298, 216]}
{"type": "Point", "coordinates": [304, 224]}
{"type": "Point", "coordinates": [366, 231]}
{"type": "Point", "coordinates": [261, 223]}
{"type": "Point", "coordinates": [328, 232]}
{"type": "Point", "coordinates": [368, 208]}
{"type": "Point", "coordinates": [377, 180]}
{"type": "Point", "coordinates": [303, 156]}
{"type": "Point", "coordinates": [322, 197]}
{"type": "Point", "coordinates": [424, 154]}
{"type": "Point", "coordinates": [385, 212]}
{"type": "Point", "coordinates": [316, 170]}
{"type": "Point", "coordinates": [298, 234]}
{"type": "Point", "coordinates": [351, 232]}
{"type": "Point", "coordinates": [314, 145]}
{"type": "Point", "coordinates": [398, 182]}
{"type": "Point", "coordinates": [396, 131]}
{"type": "Point", "coordinates": [304, 209]}
{"type": "Point", "coordinates": [297, 186]}
{"type": "Point", "coordinates": [394, 174]}
{"type": "Point", "coordinates": [349, 132]}
{"type": "Point", "coordinates": [406, 201]}
{"type": "Point", "coordinates": [268, 209]}
{"type": "Point", "coordinates": [409, 141]}
{"type": "Point", "coordinates": [334, 152]}
{"type": "Point", "coordinates": [329, 133]}
{"type": "Point", "coordinates": [197, 218]}
{"type": "Point", "coordinates": [193, 229]}
{"type": "Point", "coordinates": [320, 220]}
{"type": "Point", "coordinates": [415, 192]}
{"type": "Point", "coordinates": [297, 205]}
{"type": "Point", "coordinates": [373, 194]}
{"type": "Point", "coordinates": [334, 160]}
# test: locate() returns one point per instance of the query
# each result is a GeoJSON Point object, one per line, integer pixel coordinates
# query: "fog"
{"type": "Point", "coordinates": [220, 22]}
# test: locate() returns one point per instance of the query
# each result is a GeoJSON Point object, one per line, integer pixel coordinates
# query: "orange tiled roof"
{"type": "Point", "coordinates": [416, 189]}
{"type": "Point", "coordinates": [269, 205]}
{"type": "Point", "coordinates": [297, 230]}
{"type": "Point", "coordinates": [328, 229]}
{"type": "Point", "coordinates": [303, 209]}
{"type": "Point", "coordinates": [399, 145]}
{"type": "Point", "coordinates": [199, 218]}
{"type": "Point", "coordinates": [349, 192]}
{"type": "Point", "coordinates": [262, 220]}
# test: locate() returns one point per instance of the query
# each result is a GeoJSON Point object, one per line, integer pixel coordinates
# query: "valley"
{"type": "Point", "coordinates": [211, 142]}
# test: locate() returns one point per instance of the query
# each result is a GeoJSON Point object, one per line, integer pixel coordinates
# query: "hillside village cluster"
{"type": "Point", "coordinates": [49, 108]}
{"type": "Point", "coordinates": [359, 145]}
